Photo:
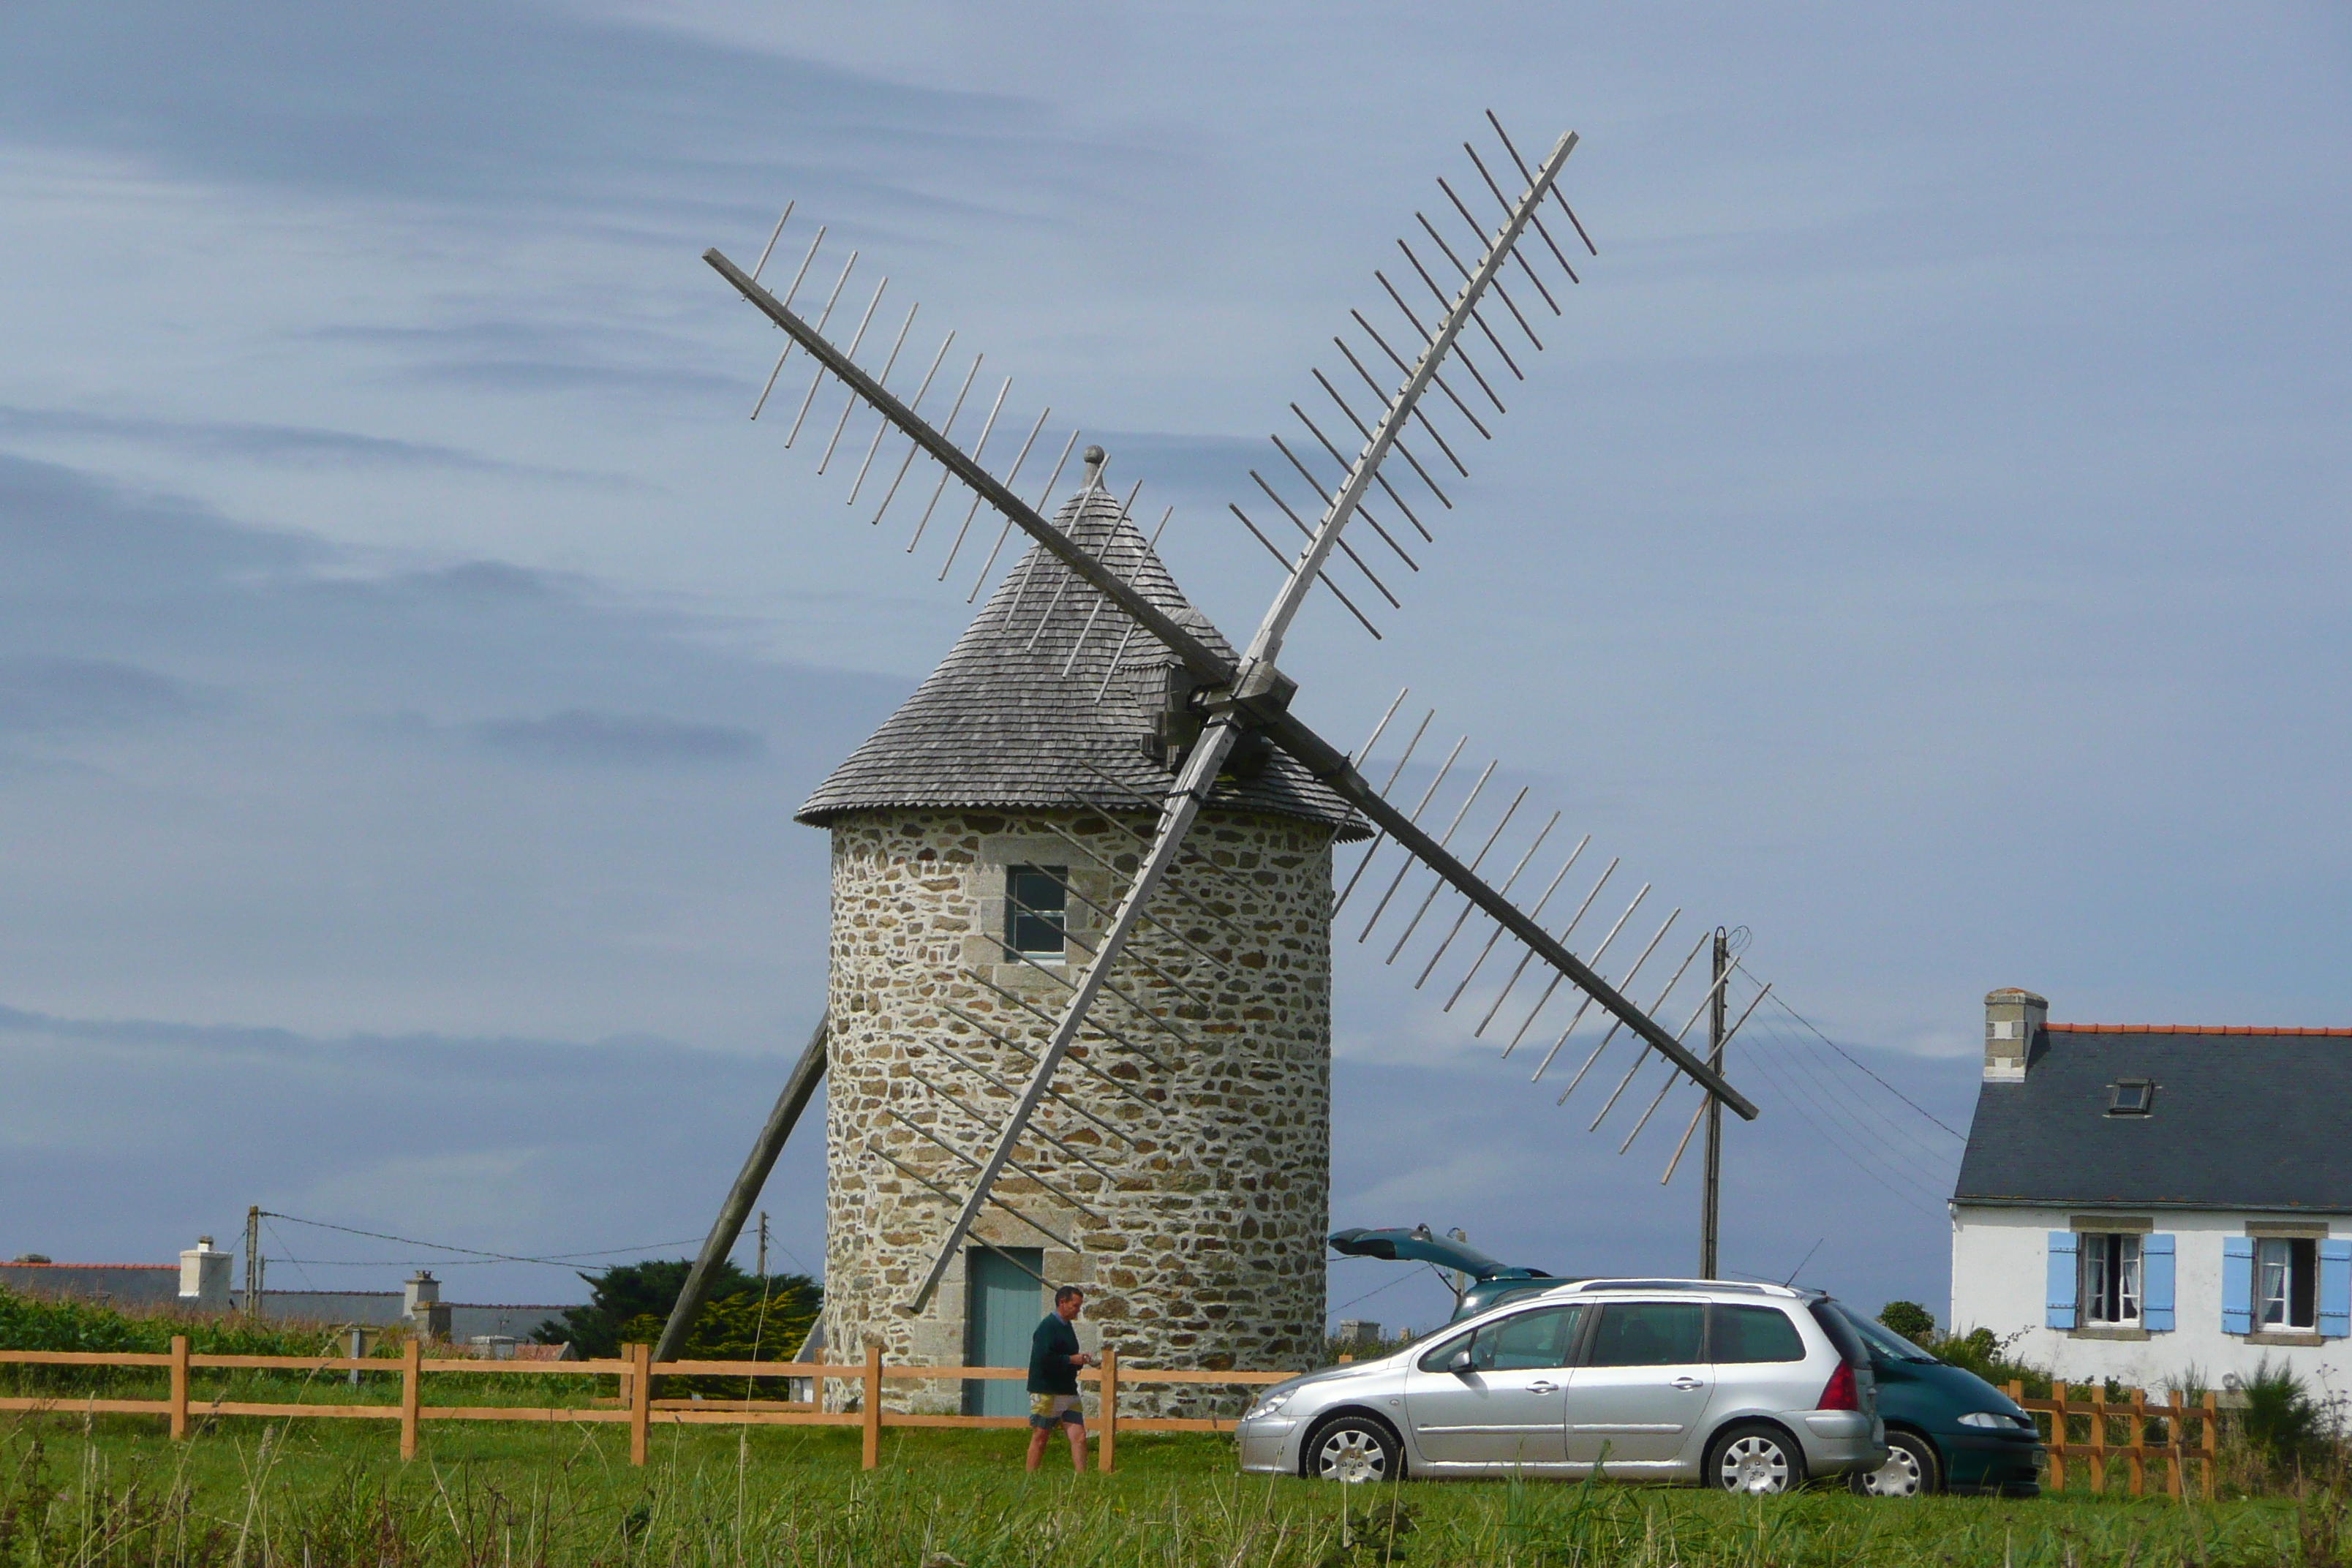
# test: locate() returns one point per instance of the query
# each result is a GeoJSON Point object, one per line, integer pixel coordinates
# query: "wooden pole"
{"type": "Point", "coordinates": [1109, 1442]}
{"type": "Point", "coordinates": [2173, 1429]}
{"type": "Point", "coordinates": [2099, 1438]}
{"type": "Point", "coordinates": [2213, 1448]}
{"type": "Point", "coordinates": [2139, 1436]}
{"type": "Point", "coordinates": [2058, 1438]}
{"type": "Point", "coordinates": [412, 1378]}
{"type": "Point", "coordinates": [873, 1412]}
{"type": "Point", "coordinates": [737, 1206]}
{"type": "Point", "coordinates": [641, 1401]}
{"type": "Point", "coordinates": [179, 1386]}
{"type": "Point", "coordinates": [1710, 1219]}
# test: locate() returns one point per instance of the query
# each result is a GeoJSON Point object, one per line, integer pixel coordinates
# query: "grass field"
{"type": "Point", "coordinates": [321, 1494]}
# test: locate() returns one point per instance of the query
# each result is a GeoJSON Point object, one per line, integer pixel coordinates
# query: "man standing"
{"type": "Point", "coordinates": [1053, 1362]}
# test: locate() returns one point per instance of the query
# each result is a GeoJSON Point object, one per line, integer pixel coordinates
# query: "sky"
{"type": "Point", "coordinates": [1920, 543]}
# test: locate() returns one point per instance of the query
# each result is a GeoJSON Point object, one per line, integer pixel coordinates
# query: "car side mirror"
{"type": "Point", "coordinates": [1459, 1364]}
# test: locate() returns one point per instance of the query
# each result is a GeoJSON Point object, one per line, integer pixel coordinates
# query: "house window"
{"type": "Point", "coordinates": [2286, 1283]}
{"type": "Point", "coordinates": [2110, 1293]}
{"type": "Point", "coordinates": [2131, 1096]}
{"type": "Point", "coordinates": [1036, 911]}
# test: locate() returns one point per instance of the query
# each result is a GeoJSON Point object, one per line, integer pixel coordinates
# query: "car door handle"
{"type": "Point", "coordinates": [1686, 1383]}
{"type": "Point", "coordinates": [1543, 1385]}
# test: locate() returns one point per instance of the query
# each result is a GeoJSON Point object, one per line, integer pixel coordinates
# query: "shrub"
{"type": "Point", "coordinates": [2285, 1426]}
{"type": "Point", "coordinates": [1982, 1351]}
{"type": "Point", "coordinates": [629, 1302]}
{"type": "Point", "coordinates": [1910, 1320]}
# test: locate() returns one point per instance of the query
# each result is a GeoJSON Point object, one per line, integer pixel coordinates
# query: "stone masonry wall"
{"type": "Point", "coordinates": [1194, 1180]}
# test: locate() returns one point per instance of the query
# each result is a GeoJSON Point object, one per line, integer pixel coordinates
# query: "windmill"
{"type": "Point", "coordinates": [1086, 873]}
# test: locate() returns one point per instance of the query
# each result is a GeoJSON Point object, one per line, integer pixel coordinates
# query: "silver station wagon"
{"type": "Point", "coordinates": [1748, 1387]}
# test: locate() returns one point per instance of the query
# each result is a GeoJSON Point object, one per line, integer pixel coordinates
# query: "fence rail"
{"type": "Point", "coordinates": [636, 1370]}
{"type": "Point", "coordinates": [2138, 1413]}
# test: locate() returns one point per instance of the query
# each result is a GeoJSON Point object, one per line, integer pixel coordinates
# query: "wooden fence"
{"type": "Point", "coordinates": [635, 1370]}
{"type": "Point", "coordinates": [2138, 1414]}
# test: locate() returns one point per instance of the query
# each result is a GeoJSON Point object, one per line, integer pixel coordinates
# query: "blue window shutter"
{"type": "Point", "coordinates": [2336, 1289]}
{"type": "Point", "coordinates": [2060, 1298]}
{"type": "Point", "coordinates": [2237, 1284]}
{"type": "Point", "coordinates": [2156, 1284]}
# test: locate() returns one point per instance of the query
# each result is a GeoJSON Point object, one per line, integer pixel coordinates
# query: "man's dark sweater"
{"type": "Point", "coordinates": [1051, 1370]}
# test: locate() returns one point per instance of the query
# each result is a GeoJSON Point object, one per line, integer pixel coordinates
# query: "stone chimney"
{"type": "Point", "coordinates": [204, 1277]}
{"type": "Point", "coordinates": [2015, 1020]}
{"type": "Point", "coordinates": [420, 1303]}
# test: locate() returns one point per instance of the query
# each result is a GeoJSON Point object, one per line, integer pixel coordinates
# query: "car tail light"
{"type": "Point", "coordinates": [1840, 1392]}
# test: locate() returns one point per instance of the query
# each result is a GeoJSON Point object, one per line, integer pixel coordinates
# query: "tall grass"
{"type": "Point", "coordinates": [254, 1498]}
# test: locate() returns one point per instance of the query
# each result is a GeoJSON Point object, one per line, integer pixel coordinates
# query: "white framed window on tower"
{"type": "Point", "coordinates": [1036, 912]}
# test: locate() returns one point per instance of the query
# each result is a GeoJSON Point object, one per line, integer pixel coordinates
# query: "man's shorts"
{"type": "Point", "coordinates": [1047, 1411]}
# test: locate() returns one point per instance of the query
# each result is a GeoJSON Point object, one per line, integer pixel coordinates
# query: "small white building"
{"type": "Point", "coordinates": [2154, 1203]}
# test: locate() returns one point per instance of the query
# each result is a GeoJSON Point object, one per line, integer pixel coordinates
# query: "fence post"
{"type": "Point", "coordinates": [871, 1421]}
{"type": "Point", "coordinates": [2099, 1438]}
{"type": "Point", "coordinates": [2176, 1431]}
{"type": "Point", "coordinates": [179, 1386]}
{"type": "Point", "coordinates": [641, 1402]}
{"type": "Point", "coordinates": [2139, 1441]}
{"type": "Point", "coordinates": [2058, 1438]}
{"type": "Point", "coordinates": [1109, 1444]}
{"type": "Point", "coordinates": [412, 1378]}
{"type": "Point", "coordinates": [2212, 1444]}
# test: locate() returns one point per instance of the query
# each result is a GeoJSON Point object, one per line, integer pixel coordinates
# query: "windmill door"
{"type": "Point", "coordinates": [1003, 1314]}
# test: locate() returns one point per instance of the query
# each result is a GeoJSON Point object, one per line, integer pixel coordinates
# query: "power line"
{"type": "Point", "coordinates": [559, 1260]}
{"type": "Point", "coordinates": [1882, 1083]}
{"type": "Point", "coordinates": [1828, 1087]}
{"type": "Point", "coordinates": [1888, 1179]}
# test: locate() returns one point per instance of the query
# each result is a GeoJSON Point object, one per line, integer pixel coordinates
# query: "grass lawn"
{"type": "Point", "coordinates": [320, 1494]}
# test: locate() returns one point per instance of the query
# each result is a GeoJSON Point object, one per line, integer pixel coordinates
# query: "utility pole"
{"type": "Point", "coordinates": [763, 1244]}
{"type": "Point", "coordinates": [252, 1262]}
{"type": "Point", "coordinates": [1711, 1188]}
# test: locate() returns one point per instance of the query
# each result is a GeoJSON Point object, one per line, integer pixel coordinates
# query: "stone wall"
{"type": "Point", "coordinates": [1195, 1181]}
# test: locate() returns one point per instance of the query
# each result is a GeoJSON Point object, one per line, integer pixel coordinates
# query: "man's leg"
{"type": "Point", "coordinates": [1077, 1445]}
{"type": "Point", "coordinates": [1036, 1446]}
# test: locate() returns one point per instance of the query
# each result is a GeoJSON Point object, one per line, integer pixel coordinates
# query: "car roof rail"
{"type": "Point", "coordinates": [1733, 1286]}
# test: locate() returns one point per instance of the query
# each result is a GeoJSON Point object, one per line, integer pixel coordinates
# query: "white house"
{"type": "Point", "coordinates": [2148, 1201]}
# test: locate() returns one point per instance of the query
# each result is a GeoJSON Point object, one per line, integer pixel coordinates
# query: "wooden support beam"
{"type": "Point", "coordinates": [179, 1387]}
{"type": "Point", "coordinates": [412, 1378]}
{"type": "Point", "coordinates": [1108, 1444]}
{"type": "Point", "coordinates": [873, 1412]}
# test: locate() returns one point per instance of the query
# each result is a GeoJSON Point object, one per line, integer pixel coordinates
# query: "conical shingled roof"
{"type": "Point", "coordinates": [1010, 720]}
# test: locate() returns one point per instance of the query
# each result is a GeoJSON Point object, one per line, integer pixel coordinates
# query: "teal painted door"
{"type": "Point", "coordinates": [1005, 1307]}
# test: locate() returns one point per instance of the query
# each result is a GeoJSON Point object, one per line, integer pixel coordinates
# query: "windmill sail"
{"type": "Point", "coordinates": [1245, 700]}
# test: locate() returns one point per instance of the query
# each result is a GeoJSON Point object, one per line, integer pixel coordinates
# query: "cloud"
{"type": "Point", "coordinates": [520, 105]}
{"type": "Point", "coordinates": [582, 735]}
{"type": "Point", "coordinates": [39, 696]}
{"type": "Point", "coordinates": [286, 444]}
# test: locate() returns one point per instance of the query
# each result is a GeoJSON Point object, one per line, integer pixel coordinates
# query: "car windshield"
{"type": "Point", "coordinates": [1882, 1340]}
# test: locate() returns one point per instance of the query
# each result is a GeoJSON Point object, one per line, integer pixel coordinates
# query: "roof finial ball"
{"type": "Point", "coordinates": [1094, 457]}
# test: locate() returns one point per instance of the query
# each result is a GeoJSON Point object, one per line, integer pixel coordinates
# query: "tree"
{"type": "Point", "coordinates": [1910, 1320]}
{"type": "Point", "coordinates": [630, 1301]}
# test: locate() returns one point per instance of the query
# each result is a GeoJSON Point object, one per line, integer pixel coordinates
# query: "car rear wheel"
{"type": "Point", "coordinates": [1910, 1470]}
{"type": "Point", "coordinates": [1755, 1457]}
{"type": "Point", "coordinates": [1354, 1449]}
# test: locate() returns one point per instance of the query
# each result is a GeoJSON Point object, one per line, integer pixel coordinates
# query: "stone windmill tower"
{"type": "Point", "coordinates": [1079, 1009]}
{"type": "Point", "coordinates": [981, 838]}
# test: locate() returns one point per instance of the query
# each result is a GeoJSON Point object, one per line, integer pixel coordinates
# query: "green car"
{"type": "Point", "coordinates": [1947, 1428]}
